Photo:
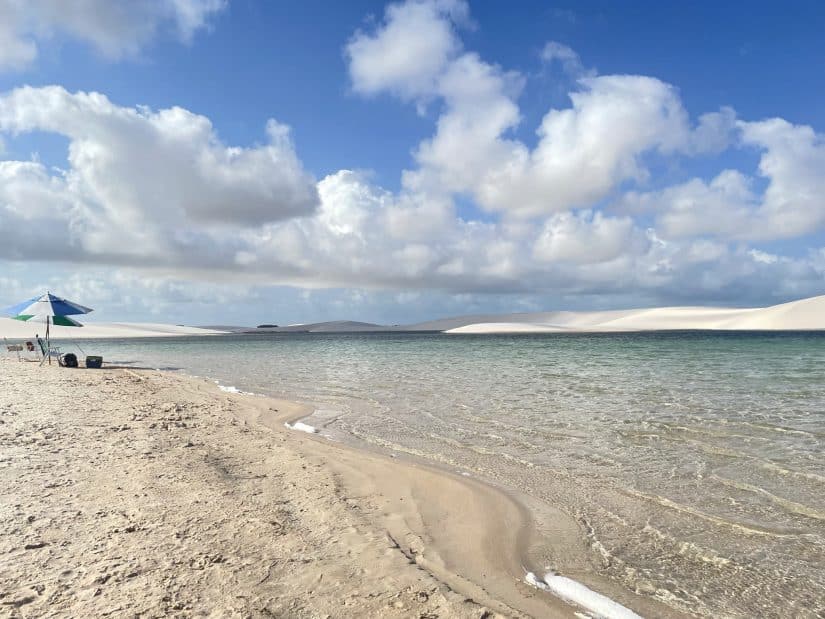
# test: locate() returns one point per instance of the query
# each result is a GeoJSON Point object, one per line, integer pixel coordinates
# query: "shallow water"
{"type": "Point", "coordinates": [693, 461]}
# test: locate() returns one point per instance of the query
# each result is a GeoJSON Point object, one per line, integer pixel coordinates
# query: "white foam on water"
{"type": "Point", "coordinates": [302, 427]}
{"type": "Point", "coordinates": [573, 592]}
{"type": "Point", "coordinates": [231, 389]}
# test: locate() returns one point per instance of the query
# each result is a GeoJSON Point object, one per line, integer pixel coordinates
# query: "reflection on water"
{"type": "Point", "coordinates": [692, 461]}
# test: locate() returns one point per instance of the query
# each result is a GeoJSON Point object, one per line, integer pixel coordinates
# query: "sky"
{"type": "Point", "coordinates": [242, 161]}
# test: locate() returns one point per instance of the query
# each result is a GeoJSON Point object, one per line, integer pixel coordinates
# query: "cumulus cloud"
{"type": "Point", "coordinates": [348, 244]}
{"type": "Point", "coordinates": [139, 179]}
{"type": "Point", "coordinates": [714, 133]}
{"type": "Point", "coordinates": [114, 29]}
{"type": "Point", "coordinates": [587, 238]}
{"type": "Point", "coordinates": [792, 161]}
{"type": "Point", "coordinates": [583, 152]}
{"type": "Point", "coordinates": [407, 52]}
{"type": "Point", "coordinates": [159, 194]}
{"type": "Point", "coordinates": [722, 207]}
{"type": "Point", "coordinates": [566, 56]}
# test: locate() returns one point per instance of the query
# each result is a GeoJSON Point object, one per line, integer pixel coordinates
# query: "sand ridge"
{"type": "Point", "coordinates": [805, 314]}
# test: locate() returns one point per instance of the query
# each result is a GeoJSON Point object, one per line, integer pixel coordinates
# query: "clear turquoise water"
{"type": "Point", "coordinates": [692, 461]}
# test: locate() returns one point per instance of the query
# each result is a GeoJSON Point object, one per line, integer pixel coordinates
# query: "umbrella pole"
{"type": "Point", "coordinates": [48, 348]}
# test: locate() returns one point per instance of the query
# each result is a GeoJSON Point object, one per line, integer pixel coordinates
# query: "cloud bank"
{"type": "Point", "coordinates": [577, 212]}
{"type": "Point", "coordinates": [115, 29]}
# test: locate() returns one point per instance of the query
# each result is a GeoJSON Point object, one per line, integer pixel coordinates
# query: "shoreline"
{"type": "Point", "coordinates": [509, 574]}
{"type": "Point", "coordinates": [401, 487]}
{"type": "Point", "coordinates": [413, 511]}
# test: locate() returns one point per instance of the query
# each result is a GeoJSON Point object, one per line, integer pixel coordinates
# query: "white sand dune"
{"type": "Point", "coordinates": [805, 314]}
{"type": "Point", "coordinates": [15, 329]}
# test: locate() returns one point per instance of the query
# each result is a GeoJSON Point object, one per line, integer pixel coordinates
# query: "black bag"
{"type": "Point", "coordinates": [69, 360]}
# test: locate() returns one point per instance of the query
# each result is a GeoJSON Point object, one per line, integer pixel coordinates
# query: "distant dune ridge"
{"type": "Point", "coordinates": [805, 314]}
{"type": "Point", "coordinates": [339, 326]}
{"type": "Point", "coordinates": [15, 329]}
{"type": "Point", "coordinates": [802, 315]}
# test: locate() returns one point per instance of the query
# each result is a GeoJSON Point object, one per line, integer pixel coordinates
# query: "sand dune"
{"type": "Point", "coordinates": [15, 329]}
{"type": "Point", "coordinates": [805, 314]}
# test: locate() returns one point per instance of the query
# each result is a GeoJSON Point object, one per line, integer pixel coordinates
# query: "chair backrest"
{"type": "Point", "coordinates": [43, 347]}
{"type": "Point", "coordinates": [15, 348]}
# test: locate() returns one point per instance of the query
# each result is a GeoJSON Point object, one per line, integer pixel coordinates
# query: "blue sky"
{"type": "Point", "coordinates": [285, 60]}
{"type": "Point", "coordinates": [243, 63]}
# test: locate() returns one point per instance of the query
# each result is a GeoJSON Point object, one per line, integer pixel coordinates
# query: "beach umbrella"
{"type": "Point", "coordinates": [50, 309]}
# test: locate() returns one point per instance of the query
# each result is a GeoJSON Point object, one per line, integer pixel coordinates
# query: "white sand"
{"type": "Point", "coordinates": [806, 314]}
{"type": "Point", "coordinates": [18, 330]}
{"type": "Point", "coordinates": [150, 495]}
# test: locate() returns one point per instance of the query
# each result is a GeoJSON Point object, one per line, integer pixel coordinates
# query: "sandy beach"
{"type": "Point", "coordinates": [135, 491]}
{"type": "Point", "coordinates": [419, 309]}
{"type": "Point", "coordinates": [151, 494]}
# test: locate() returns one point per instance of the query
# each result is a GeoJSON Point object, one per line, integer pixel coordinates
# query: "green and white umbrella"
{"type": "Point", "coordinates": [58, 321]}
{"type": "Point", "coordinates": [49, 309]}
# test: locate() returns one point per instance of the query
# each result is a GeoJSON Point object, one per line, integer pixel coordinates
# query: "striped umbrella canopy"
{"type": "Point", "coordinates": [50, 309]}
{"type": "Point", "coordinates": [46, 305]}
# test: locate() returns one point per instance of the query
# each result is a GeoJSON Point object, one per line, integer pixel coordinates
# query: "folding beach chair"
{"type": "Point", "coordinates": [16, 348]}
{"type": "Point", "coordinates": [50, 351]}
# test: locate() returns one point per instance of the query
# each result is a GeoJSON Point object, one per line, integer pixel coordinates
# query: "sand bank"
{"type": "Point", "coordinates": [805, 314]}
{"type": "Point", "coordinates": [156, 494]}
{"type": "Point", "coordinates": [15, 329]}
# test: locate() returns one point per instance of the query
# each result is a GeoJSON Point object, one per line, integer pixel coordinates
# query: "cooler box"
{"type": "Point", "coordinates": [94, 362]}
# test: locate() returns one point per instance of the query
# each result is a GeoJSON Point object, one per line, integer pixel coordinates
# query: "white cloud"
{"type": "Point", "coordinates": [467, 146]}
{"type": "Point", "coordinates": [409, 49]}
{"type": "Point", "coordinates": [730, 206]}
{"type": "Point", "coordinates": [138, 179]}
{"type": "Point", "coordinates": [348, 244]}
{"type": "Point", "coordinates": [714, 133]}
{"type": "Point", "coordinates": [793, 160]}
{"type": "Point", "coordinates": [695, 208]}
{"type": "Point", "coordinates": [553, 51]}
{"type": "Point", "coordinates": [763, 257]}
{"type": "Point", "coordinates": [587, 238]}
{"type": "Point", "coordinates": [156, 192]}
{"type": "Point", "coordinates": [15, 52]}
{"type": "Point", "coordinates": [114, 29]}
{"type": "Point", "coordinates": [583, 152]}
{"type": "Point", "coordinates": [193, 15]}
